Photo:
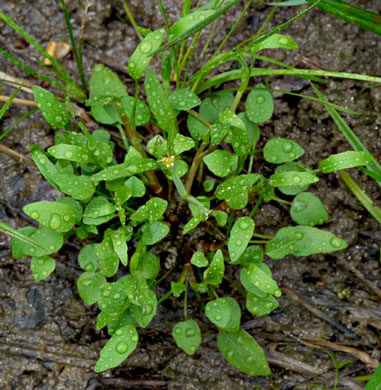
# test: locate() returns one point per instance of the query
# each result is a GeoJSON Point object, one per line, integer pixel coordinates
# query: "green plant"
{"type": "Point", "coordinates": [121, 209]}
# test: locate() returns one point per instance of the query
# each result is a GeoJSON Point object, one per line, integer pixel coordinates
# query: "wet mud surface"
{"type": "Point", "coordinates": [47, 335]}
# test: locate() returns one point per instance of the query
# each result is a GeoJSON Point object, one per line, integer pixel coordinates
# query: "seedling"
{"type": "Point", "coordinates": [122, 207]}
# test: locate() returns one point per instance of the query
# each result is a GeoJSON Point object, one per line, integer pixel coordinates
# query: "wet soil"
{"type": "Point", "coordinates": [47, 335]}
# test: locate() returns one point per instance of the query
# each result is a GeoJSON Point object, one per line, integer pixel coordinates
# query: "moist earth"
{"type": "Point", "coordinates": [47, 335]}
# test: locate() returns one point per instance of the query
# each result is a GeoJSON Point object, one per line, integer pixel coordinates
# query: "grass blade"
{"type": "Point", "coordinates": [9, 102]}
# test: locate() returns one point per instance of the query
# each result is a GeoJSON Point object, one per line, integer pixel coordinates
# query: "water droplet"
{"type": "Point", "coordinates": [230, 354]}
{"type": "Point", "coordinates": [202, 17]}
{"type": "Point", "coordinates": [42, 161]}
{"type": "Point", "coordinates": [41, 261]}
{"type": "Point", "coordinates": [58, 118]}
{"type": "Point", "coordinates": [283, 40]}
{"type": "Point", "coordinates": [119, 332]}
{"type": "Point", "coordinates": [218, 317]}
{"type": "Point", "coordinates": [190, 332]}
{"type": "Point", "coordinates": [178, 331]}
{"type": "Point", "coordinates": [121, 347]}
{"type": "Point", "coordinates": [86, 283]}
{"type": "Point", "coordinates": [299, 235]}
{"type": "Point", "coordinates": [243, 225]}
{"type": "Point", "coordinates": [296, 179]}
{"type": "Point", "coordinates": [68, 154]}
{"type": "Point", "coordinates": [287, 147]}
{"type": "Point", "coordinates": [238, 242]}
{"type": "Point", "coordinates": [240, 340]}
{"type": "Point", "coordinates": [260, 99]}
{"type": "Point", "coordinates": [116, 296]}
{"type": "Point", "coordinates": [34, 214]}
{"type": "Point", "coordinates": [257, 283]}
{"type": "Point", "coordinates": [89, 267]}
{"type": "Point", "coordinates": [145, 47]}
{"type": "Point", "coordinates": [134, 338]}
{"type": "Point", "coordinates": [55, 221]}
{"type": "Point", "coordinates": [300, 205]}
{"type": "Point", "coordinates": [335, 242]}
{"type": "Point", "coordinates": [106, 293]}
{"type": "Point", "coordinates": [147, 309]}
{"type": "Point", "coordinates": [66, 218]}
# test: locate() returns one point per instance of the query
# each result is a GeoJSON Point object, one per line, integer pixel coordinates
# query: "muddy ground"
{"type": "Point", "coordinates": [47, 335]}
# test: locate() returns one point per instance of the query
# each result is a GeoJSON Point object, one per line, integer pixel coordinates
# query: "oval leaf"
{"type": "Point", "coordinates": [240, 236]}
{"type": "Point", "coordinates": [280, 150]}
{"type": "Point", "coordinates": [187, 336]}
{"type": "Point", "coordinates": [345, 160]}
{"type": "Point", "coordinates": [307, 209]}
{"type": "Point", "coordinates": [259, 104]}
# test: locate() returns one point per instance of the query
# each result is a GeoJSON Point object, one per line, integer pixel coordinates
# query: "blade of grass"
{"type": "Point", "coordinates": [132, 20]}
{"type": "Point", "coordinates": [6, 105]}
{"type": "Point", "coordinates": [77, 54]}
{"type": "Point", "coordinates": [361, 196]}
{"type": "Point", "coordinates": [351, 137]}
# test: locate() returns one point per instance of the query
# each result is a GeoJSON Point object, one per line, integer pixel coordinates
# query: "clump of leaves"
{"type": "Point", "coordinates": [121, 207]}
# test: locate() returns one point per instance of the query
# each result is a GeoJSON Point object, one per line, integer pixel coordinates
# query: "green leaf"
{"type": "Point", "coordinates": [225, 313]}
{"type": "Point", "coordinates": [136, 288]}
{"type": "Point", "coordinates": [215, 272]}
{"type": "Point", "coordinates": [198, 211]}
{"type": "Point", "coordinates": [208, 185]}
{"type": "Point", "coordinates": [55, 215]}
{"type": "Point", "coordinates": [240, 236]}
{"type": "Point", "coordinates": [275, 41]}
{"type": "Point", "coordinates": [229, 118]}
{"type": "Point", "coordinates": [344, 160]}
{"type": "Point", "coordinates": [69, 153]}
{"type": "Point", "coordinates": [103, 320]}
{"type": "Point", "coordinates": [125, 169]}
{"type": "Point", "coordinates": [235, 190]}
{"type": "Point", "coordinates": [112, 298]}
{"type": "Point", "coordinates": [118, 238]}
{"type": "Point", "coordinates": [19, 246]}
{"type": "Point", "coordinates": [260, 306]}
{"type": "Point", "coordinates": [259, 276]}
{"type": "Point", "coordinates": [157, 146]}
{"type": "Point", "coordinates": [149, 266]}
{"type": "Point", "coordinates": [118, 348]}
{"type": "Point", "coordinates": [142, 112]}
{"type": "Point", "coordinates": [152, 211]}
{"type": "Point", "coordinates": [154, 232]}
{"type": "Point", "coordinates": [292, 178]}
{"type": "Point", "coordinates": [104, 81]}
{"type": "Point", "coordinates": [109, 261]}
{"type": "Point", "coordinates": [307, 209]}
{"type": "Point", "coordinates": [252, 254]}
{"type": "Point", "coordinates": [160, 106]}
{"type": "Point", "coordinates": [243, 353]}
{"type": "Point", "coordinates": [52, 109]}
{"type": "Point", "coordinates": [142, 55]}
{"type": "Point", "coordinates": [186, 24]}
{"type": "Point", "coordinates": [144, 314]}
{"type": "Point", "coordinates": [292, 167]}
{"type": "Point", "coordinates": [193, 223]}
{"type": "Point", "coordinates": [187, 336]}
{"type": "Point", "coordinates": [183, 99]}
{"type": "Point", "coordinates": [98, 211]}
{"type": "Point", "coordinates": [78, 187]}
{"type": "Point", "coordinates": [50, 240]}
{"type": "Point", "coordinates": [88, 285]}
{"type": "Point", "coordinates": [240, 141]}
{"type": "Point", "coordinates": [214, 104]}
{"type": "Point", "coordinates": [221, 217]}
{"type": "Point", "coordinates": [45, 166]}
{"type": "Point", "coordinates": [42, 267]}
{"type": "Point", "coordinates": [75, 205]}
{"type": "Point", "coordinates": [199, 260]}
{"type": "Point", "coordinates": [220, 162]}
{"type": "Point", "coordinates": [252, 129]}
{"type": "Point", "coordinates": [375, 381]}
{"type": "Point", "coordinates": [122, 320]}
{"type": "Point", "coordinates": [196, 128]}
{"type": "Point", "coordinates": [303, 241]}
{"type": "Point", "coordinates": [280, 150]}
{"type": "Point", "coordinates": [183, 143]}
{"type": "Point", "coordinates": [136, 187]}
{"type": "Point", "coordinates": [218, 132]}
{"type": "Point", "coordinates": [87, 258]}
{"type": "Point", "coordinates": [177, 288]}
{"type": "Point", "coordinates": [249, 286]}
{"type": "Point", "coordinates": [259, 104]}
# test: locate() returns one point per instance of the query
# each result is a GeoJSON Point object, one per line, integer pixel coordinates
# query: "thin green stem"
{"type": "Point", "coordinates": [123, 135]}
{"type": "Point", "coordinates": [132, 20]}
{"type": "Point", "coordinates": [263, 236]}
{"type": "Point", "coordinates": [257, 204]}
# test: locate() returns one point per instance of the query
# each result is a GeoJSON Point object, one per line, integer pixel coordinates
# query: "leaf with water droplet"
{"type": "Point", "coordinates": [235, 190]}
{"type": "Point", "coordinates": [240, 236]}
{"type": "Point", "coordinates": [239, 140]}
{"type": "Point", "coordinates": [98, 211]}
{"type": "Point", "coordinates": [198, 211]}
{"type": "Point", "coordinates": [345, 160]}
{"type": "Point", "coordinates": [136, 288]}
{"type": "Point", "coordinates": [184, 99]}
{"type": "Point", "coordinates": [88, 285]}
{"type": "Point", "coordinates": [78, 187]}
{"type": "Point", "coordinates": [152, 211]}
{"type": "Point", "coordinates": [75, 205]}
{"type": "Point", "coordinates": [136, 187]}
{"type": "Point", "coordinates": [197, 129]}
{"type": "Point", "coordinates": [52, 109]}
{"type": "Point", "coordinates": [220, 162]}
{"type": "Point", "coordinates": [154, 232]}
{"type": "Point", "coordinates": [193, 223]}
{"type": "Point", "coordinates": [292, 167]}
{"type": "Point", "coordinates": [149, 266]}
{"type": "Point", "coordinates": [122, 343]}
{"type": "Point", "coordinates": [280, 150]}
{"type": "Point", "coordinates": [182, 143]}
{"type": "Point", "coordinates": [55, 215]}
{"type": "Point", "coordinates": [142, 112]}
{"type": "Point", "coordinates": [303, 241]}
{"type": "Point", "coordinates": [177, 288]}
{"type": "Point", "coordinates": [144, 314]}
{"type": "Point", "coordinates": [47, 240]}
{"type": "Point", "coordinates": [199, 260]}
{"type": "Point", "coordinates": [103, 319]}
{"type": "Point", "coordinates": [214, 104]}
{"type": "Point", "coordinates": [125, 169]}
{"type": "Point", "coordinates": [225, 313]}
{"type": "Point", "coordinates": [160, 107]}
{"type": "Point", "coordinates": [69, 153]}
{"type": "Point", "coordinates": [249, 286]}
{"type": "Point", "coordinates": [261, 278]}
{"type": "Point", "coordinates": [187, 336]}
{"type": "Point", "coordinates": [292, 178]}
{"type": "Point", "coordinates": [252, 129]}
{"type": "Point", "coordinates": [142, 55]}
{"type": "Point", "coordinates": [118, 239]}
{"type": "Point", "coordinates": [112, 298]}
{"type": "Point", "coordinates": [307, 209]}
{"type": "Point", "coordinates": [242, 352]}
{"type": "Point", "coordinates": [221, 217]}
{"type": "Point", "coordinates": [42, 267]}
{"type": "Point", "coordinates": [274, 41]}
{"type": "Point", "coordinates": [215, 272]}
{"type": "Point", "coordinates": [121, 320]}
{"type": "Point", "coordinates": [208, 185]}
{"type": "Point", "coordinates": [157, 146]}
{"type": "Point", "coordinates": [252, 254]}
{"type": "Point", "coordinates": [260, 306]}
{"type": "Point", "coordinates": [45, 166]}
{"type": "Point", "coordinates": [259, 104]}
{"type": "Point", "coordinates": [87, 258]}
{"type": "Point", "coordinates": [18, 246]}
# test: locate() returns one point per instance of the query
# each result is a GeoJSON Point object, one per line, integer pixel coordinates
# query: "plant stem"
{"type": "Point", "coordinates": [132, 20]}
{"type": "Point", "coordinates": [123, 135]}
